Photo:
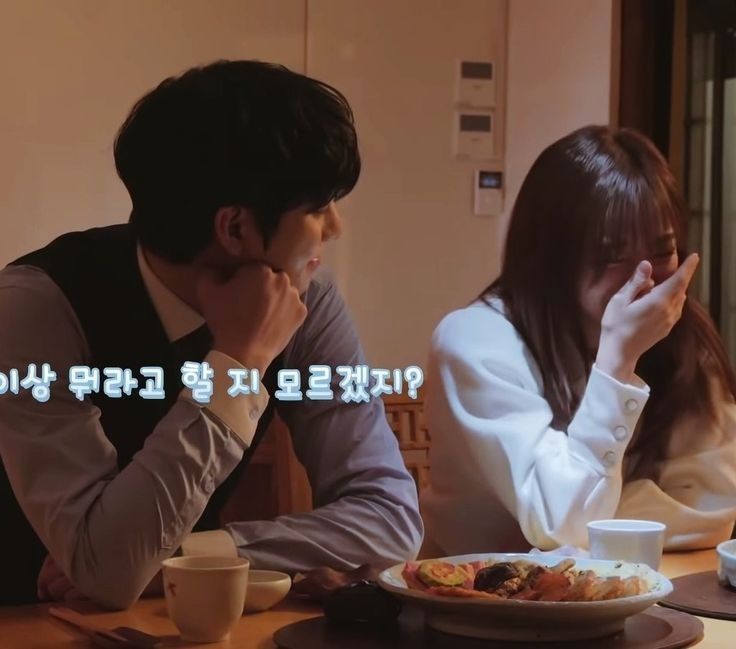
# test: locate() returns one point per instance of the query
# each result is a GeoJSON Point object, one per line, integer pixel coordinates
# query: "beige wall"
{"type": "Point", "coordinates": [413, 249]}
{"type": "Point", "coordinates": [559, 76]}
{"type": "Point", "coordinates": [70, 72]}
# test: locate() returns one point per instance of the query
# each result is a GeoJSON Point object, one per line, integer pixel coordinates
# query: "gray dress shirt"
{"type": "Point", "coordinates": [109, 530]}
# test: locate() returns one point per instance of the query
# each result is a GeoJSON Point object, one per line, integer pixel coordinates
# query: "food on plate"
{"type": "Point", "coordinates": [520, 579]}
{"type": "Point", "coordinates": [491, 577]}
{"type": "Point", "coordinates": [441, 573]}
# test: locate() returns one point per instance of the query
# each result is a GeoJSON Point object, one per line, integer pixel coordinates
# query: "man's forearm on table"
{"type": "Point", "coordinates": [144, 513]}
{"type": "Point", "coordinates": [342, 535]}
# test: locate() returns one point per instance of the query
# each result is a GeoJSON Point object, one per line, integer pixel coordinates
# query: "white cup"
{"type": "Point", "coordinates": [627, 540]}
{"type": "Point", "coordinates": [205, 595]}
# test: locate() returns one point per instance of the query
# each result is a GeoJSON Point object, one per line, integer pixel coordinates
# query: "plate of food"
{"type": "Point", "coordinates": [530, 597]}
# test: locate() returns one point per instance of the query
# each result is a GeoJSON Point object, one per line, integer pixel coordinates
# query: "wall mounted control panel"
{"type": "Point", "coordinates": [488, 195]}
{"type": "Point", "coordinates": [476, 84]}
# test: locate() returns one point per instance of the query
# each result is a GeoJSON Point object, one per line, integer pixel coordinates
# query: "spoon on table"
{"type": "Point", "coordinates": [121, 636]}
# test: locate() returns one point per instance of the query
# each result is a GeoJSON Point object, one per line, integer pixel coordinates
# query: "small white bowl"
{"type": "Point", "coordinates": [727, 563]}
{"type": "Point", "coordinates": [266, 588]}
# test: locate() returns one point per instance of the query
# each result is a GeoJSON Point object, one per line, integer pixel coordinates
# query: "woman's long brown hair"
{"type": "Point", "coordinates": [594, 191]}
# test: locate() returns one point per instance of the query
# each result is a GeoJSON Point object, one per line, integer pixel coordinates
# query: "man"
{"type": "Point", "coordinates": [233, 171]}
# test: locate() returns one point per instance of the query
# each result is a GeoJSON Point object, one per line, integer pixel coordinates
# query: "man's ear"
{"type": "Point", "coordinates": [236, 231]}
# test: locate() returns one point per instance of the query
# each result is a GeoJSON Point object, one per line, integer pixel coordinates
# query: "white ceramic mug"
{"type": "Point", "coordinates": [205, 595]}
{"type": "Point", "coordinates": [628, 540]}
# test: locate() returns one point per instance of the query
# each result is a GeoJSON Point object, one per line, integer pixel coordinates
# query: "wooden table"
{"type": "Point", "coordinates": [30, 627]}
{"type": "Point", "coordinates": [719, 634]}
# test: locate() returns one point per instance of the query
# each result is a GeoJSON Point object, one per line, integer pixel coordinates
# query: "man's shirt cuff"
{"type": "Point", "coordinates": [240, 413]}
{"type": "Point", "coordinates": [217, 543]}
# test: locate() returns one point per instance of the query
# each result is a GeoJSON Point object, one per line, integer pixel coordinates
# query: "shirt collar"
{"type": "Point", "coordinates": [177, 317]}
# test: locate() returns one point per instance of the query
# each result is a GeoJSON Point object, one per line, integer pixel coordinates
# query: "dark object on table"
{"type": "Point", "coordinates": [362, 603]}
{"type": "Point", "coordinates": [489, 579]}
{"type": "Point", "coordinates": [701, 594]}
{"type": "Point", "coordinates": [655, 628]}
{"type": "Point", "coordinates": [321, 582]}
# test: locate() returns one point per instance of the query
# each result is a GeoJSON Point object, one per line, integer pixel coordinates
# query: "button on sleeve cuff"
{"type": "Point", "coordinates": [608, 414]}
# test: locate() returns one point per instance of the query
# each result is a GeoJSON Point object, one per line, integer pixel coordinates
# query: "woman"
{"type": "Point", "coordinates": [538, 389]}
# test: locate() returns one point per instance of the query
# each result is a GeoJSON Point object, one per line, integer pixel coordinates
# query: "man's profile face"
{"type": "Point", "coordinates": [297, 245]}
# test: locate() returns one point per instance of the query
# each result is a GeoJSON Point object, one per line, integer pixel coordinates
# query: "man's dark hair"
{"type": "Point", "coordinates": [241, 133]}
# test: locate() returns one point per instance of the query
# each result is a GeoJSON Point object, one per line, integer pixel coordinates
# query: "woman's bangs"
{"type": "Point", "coordinates": [632, 215]}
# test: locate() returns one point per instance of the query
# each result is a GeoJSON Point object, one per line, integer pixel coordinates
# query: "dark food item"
{"type": "Point", "coordinates": [362, 602]}
{"type": "Point", "coordinates": [489, 579]}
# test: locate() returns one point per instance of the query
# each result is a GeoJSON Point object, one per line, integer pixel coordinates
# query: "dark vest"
{"type": "Point", "coordinates": [98, 272]}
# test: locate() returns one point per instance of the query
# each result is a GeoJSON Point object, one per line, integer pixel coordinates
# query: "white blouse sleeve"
{"type": "Point", "coordinates": [492, 435]}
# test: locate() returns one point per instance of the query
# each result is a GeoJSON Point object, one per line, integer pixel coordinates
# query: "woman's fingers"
{"type": "Point", "coordinates": [680, 280]}
{"type": "Point", "coordinates": [637, 282]}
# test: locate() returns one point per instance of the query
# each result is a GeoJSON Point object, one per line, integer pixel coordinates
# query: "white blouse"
{"type": "Point", "coordinates": [502, 477]}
